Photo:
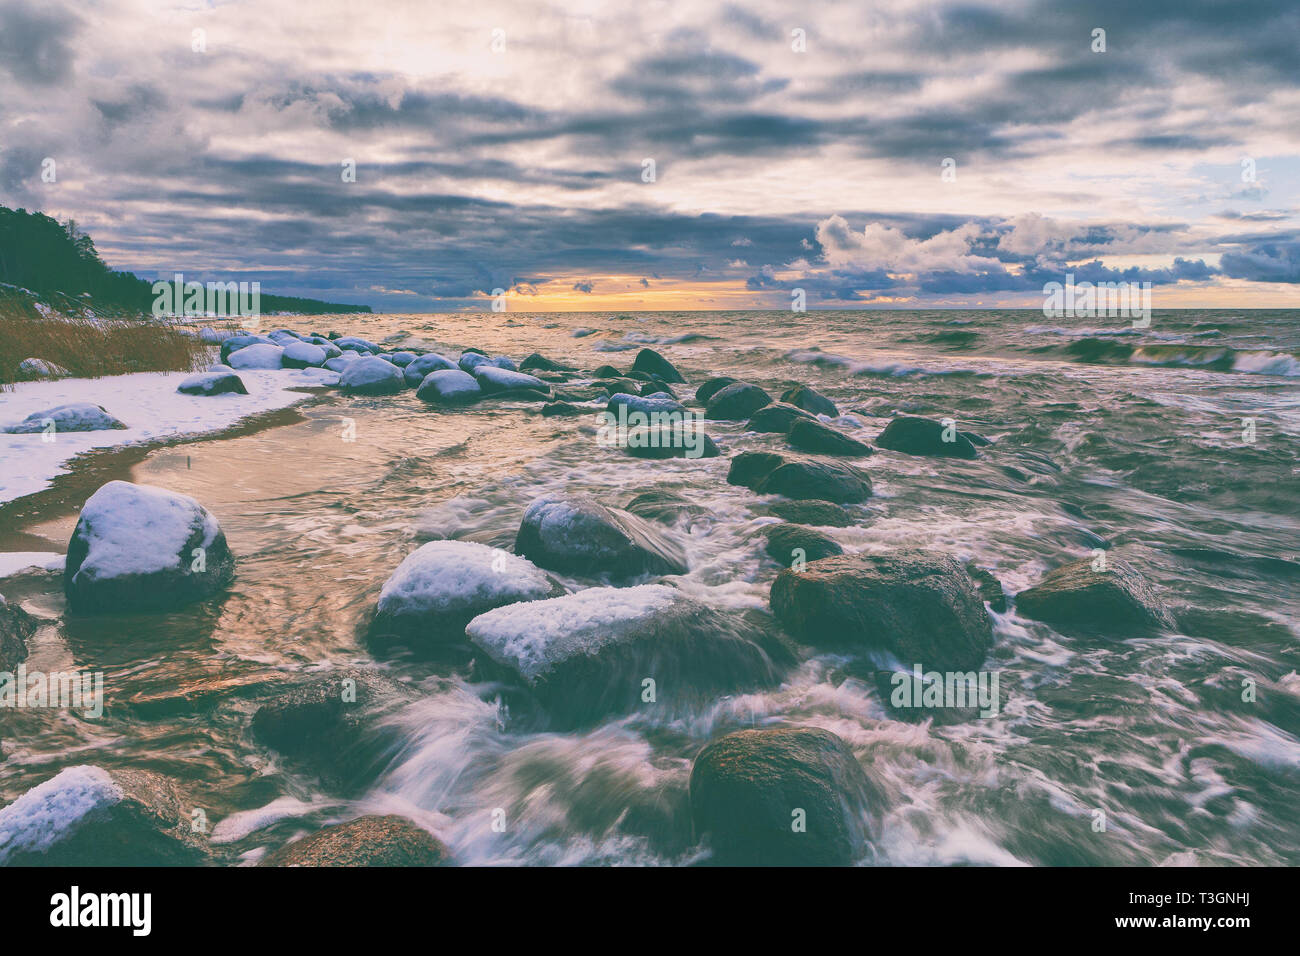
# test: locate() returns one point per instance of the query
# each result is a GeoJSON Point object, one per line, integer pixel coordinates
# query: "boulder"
{"type": "Point", "coordinates": [646, 405]}
{"type": "Point", "coordinates": [366, 841]}
{"type": "Point", "coordinates": [137, 547]}
{"type": "Point", "coordinates": [441, 585]}
{"type": "Point", "coordinates": [356, 344]}
{"type": "Point", "coordinates": [711, 387]}
{"type": "Point", "coordinates": [812, 436]}
{"type": "Point", "coordinates": [748, 788]}
{"type": "Point", "coordinates": [677, 440]}
{"type": "Point", "coordinates": [449, 387]}
{"type": "Point", "coordinates": [664, 506]}
{"type": "Point", "coordinates": [87, 816]}
{"type": "Point", "coordinates": [818, 514]}
{"type": "Point", "coordinates": [535, 362]}
{"type": "Point", "coordinates": [822, 480]}
{"type": "Point", "coordinates": [737, 402]}
{"type": "Point", "coordinates": [921, 607]}
{"type": "Point", "coordinates": [333, 724]}
{"type": "Point", "coordinates": [371, 376]}
{"type": "Point", "coordinates": [213, 383]}
{"type": "Point", "coordinates": [76, 417]}
{"type": "Point", "coordinates": [415, 372]}
{"type": "Point", "coordinates": [923, 436]}
{"type": "Point", "coordinates": [402, 359]}
{"type": "Point", "coordinates": [586, 655]}
{"type": "Point", "coordinates": [652, 363]}
{"type": "Point", "coordinates": [990, 588]}
{"type": "Point", "coordinates": [574, 534]}
{"type": "Point", "coordinates": [236, 342]}
{"type": "Point", "coordinates": [16, 625]}
{"type": "Point", "coordinates": [607, 371]}
{"type": "Point", "coordinates": [303, 355]}
{"type": "Point", "coordinates": [777, 417]}
{"type": "Point", "coordinates": [494, 381]}
{"type": "Point", "coordinates": [810, 400]}
{"type": "Point", "coordinates": [256, 357]}
{"type": "Point", "coordinates": [471, 359]}
{"type": "Point", "coordinates": [791, 543]}
{"type": "Point", "coordinates": [1114, 599]}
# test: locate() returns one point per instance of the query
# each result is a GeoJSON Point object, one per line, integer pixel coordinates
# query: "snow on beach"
{"type": "Point", "coordinates": [146, 402]}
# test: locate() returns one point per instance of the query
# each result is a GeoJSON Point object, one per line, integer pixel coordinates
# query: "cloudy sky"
{"type": "Point", "coordinates": [654, 155]}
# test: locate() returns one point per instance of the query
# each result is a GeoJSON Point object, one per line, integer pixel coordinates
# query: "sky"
{"type": "Point", "coordinates": [424, 157]}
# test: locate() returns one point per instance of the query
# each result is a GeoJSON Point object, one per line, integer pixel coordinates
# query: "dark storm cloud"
{"type": "Point", "coordinates": [34, 45]}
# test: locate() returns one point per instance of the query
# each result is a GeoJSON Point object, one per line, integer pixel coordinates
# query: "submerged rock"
{"type": "Point", "coordinates": [75, 417]}
{"type": "Point", "coordinates": [442, 585]}
{"type": "Point", "coordinates": [449, 387]}
{"type": "Point", "coordinates": [536, 361]}
{"type": "Point", "coordinates": [815, 513]}
{"type": "Point", "coordinates": [256, 356]}
{"type": "Point", "coordinates": [810, 400]}
{"type": "Point", "coordinates": [16, 625]}
{"type": "Point", "coordinates": [365, 841]}
{"type": "Point", "coordinates": [749, 788]}
{"type": "Point", "coordinates": [574, 534]}
{"type": "Point", "coordinates": [791, 543]}
{"type": "Point", "coordinates": [1112, 598]}
{"type": "Point", "coordinates": [664, 506]}
{"type": "Point", "coordinates": [213, 383]}
{"type": "Point", "coordinates": [563, 410]}
{"type": "Point", "coordinates": [371, 375]}
{"type": "Point", "coordinates": [923, 436]}
{"type": "Point", "coordinates": [137, 547]}
{"type": "Point", "coordinates": [651, 362]}
{"type": "Point", "coordinates": [736, 402]}
{"type": "Point", "coordinates": [812, 436]}
{"type": "Point", "coordinates": [332, 724]}
{"type": "Point", "coordinates": [777, 417]}
{"type": "Point", "coordinates": [588, 654]}
{"type": "Point", "coordinates": [921, 607]}
{"type": "Point", "coordinates": [89, 816]}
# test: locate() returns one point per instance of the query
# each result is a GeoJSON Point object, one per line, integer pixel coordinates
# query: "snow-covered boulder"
{"type": "Point", "coordinates": [575, 534]}
{"type": "Point", "coordinates": [339, 362]}
{"type": "Point", "coordinates": [284, 337]}
{"type": "Point", "coordinates": [493, 380]}
{"type": "Point", "coordinates": [302, 355]}
{"type": "Point", "coordinates": [137, 547]}
{"type": "Point", "coordinates": [260, 355]}
{"type": "Point", "coordinates": [30, 368]}
{"type": "Point", "coordinates": [371, 376]}
{"type": "Point", "coordinates": [237, 342]}
{"type": "Point", "coordinates": [89, 816]}
{"type": "Point", "coordinates": [442, 585]}
{"type": "Point", "coordinates": [76, 417]}
{"type": "Point", "coordinates": [215, 336]}
{"type": "Point", "coordinates": [588, 654]}
{"type": "Point", "coordinates": [422, 366]}
{"type": "Point", "coordinates": [449, 387]}
{"type": "Point", "coordinates": [402, 359]}
{"type": "Point", "coordinates": [213, 382]}
{"type": "Point", "coordinates": [357, 344]}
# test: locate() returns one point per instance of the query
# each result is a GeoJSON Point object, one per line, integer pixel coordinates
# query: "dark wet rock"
{"type": "Point", "coordinates": [365, 841]}
{"type": "Point", "coordinates": [646, 405]}
{"type": "Point", "coordinates": [822, 480]}
{"type": "Point", "coordinates": [974, 439]}
{"type": "Point", "coordinates": [1076, 597]}
{"type": "Point", "coordinates": [563, 410]}
{"type": "Point", "coordinates": [677, 440]}
{"type": "Point", "coordinates": [607, 371]}
{"type": "Point", "coordinates": [371, 375]}
{"type": "Point", "coordinates": [16, 625]}
{"type": "Point", "coordinates": [711, 387]}
{"type": "Point", "coordinates": [625, 386]}
{"type": "Point", "coordinates": [665, 506]}
{"type": "Point", "coordinates": [415, 372]}
{"type": "Point", "coordinates": [749, 468]}
{"type": "Point", "coordinates": [737, 402]}
{"type": "Point", "coordinates": [442, 585]}
{"type": "Point", "coordinates": [213, 383]}
{"type": "Point", "coordinates": [330, 723]}
{"type": "Point", "coordinates": [921, 607]}
{"type": "Point", "coordinates": [651, 362]}
{"type": "Point", "coordinates": [495, 380]}
{"type": "Point", "coordinates": [74, 417]}
{"type": "Point", "coordinates": [588, 654]}
{"type": "Point", "coordinates": [815, 513]}
{"type": "Point", "coordinates": [990, 588]}
{"type": "Point", "coordinates": [789, 544]}
{"type": "Point", "coordinates": [777, 417]}
{"type": "Point", "coordinates": [656, 387]}
{"type": "Point", "coordinates": [137, 548]}
{"type": "Point", "coordinates": [89, 816]}
{"type": "Point", "coordinates": [812, 436]}
{"type": "Point", "coordinates": [924, 436]}
{"type": "Point", "coordinates": [748, 788]}
{"type": "Point", "coordinates": [574, 534]}
{"type": "Point", "coordinates": [810, 400]}
{"type": "Point", "coordinates": [536, 361]}
{"type": "Point", "coordinates": [449, 387]}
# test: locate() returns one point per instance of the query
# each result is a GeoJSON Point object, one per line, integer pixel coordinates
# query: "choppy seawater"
{"type": "Point", "coordinates": [1103, 436]}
